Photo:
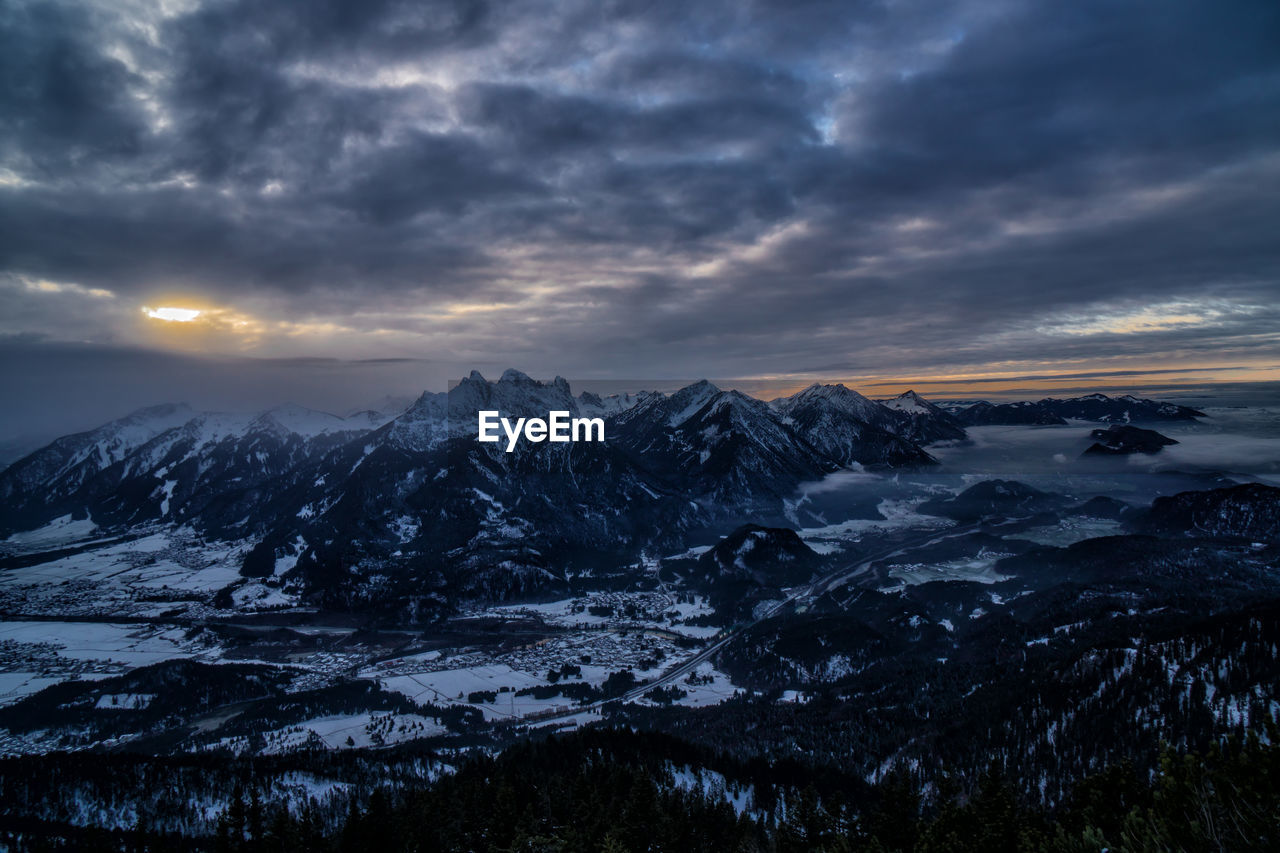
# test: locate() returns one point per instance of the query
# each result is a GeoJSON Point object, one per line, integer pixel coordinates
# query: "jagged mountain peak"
{"type": "Point", "coordinates": [839, 395]}
{"type": "Point", "coordinates": [516, 394]}
{"type": "Point", "coordinates": [701, 388]}
{"type": "Point", "coordinates": [518, 377]}
{"type": "Point", "coordinates": [850, 428]}
{"type": "Point", "coordinates": [830, 391]}
{"type": "Point", "coordinates": [686, 402]}
{"type": "Point", "coordinates": [737, 405]}
{"type": "Point", "coordinates": [590, 403]}
{"type": "Point", "coordinates": [912, 403]}
{"type": "Point", "coordinates": [1100, 407]}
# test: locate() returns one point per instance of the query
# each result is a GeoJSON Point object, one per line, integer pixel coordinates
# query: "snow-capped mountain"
{"type": "Point", "coordinates": [70, 461]}
{"type": "Point", "coordinates": [722, 444]}
{"type": "Point", "coordinates": [593, 405]}
{"type": "Point", "coordinates": [1100, 407]}
{"type": "Point", "coordinates": [1092, 407]}
{"type": "Point", "coordinates": [849, 428]}
{"type": "Point", "coordinates": [515, 395]}
{"type": "Point", "coordinates": [413, 509]}
{"type": "Point", "coordinates": [1022, 413]}
{"type": "Point", "coordinates": [922, 421]}
{"type": "Point", "coordinates": [847, 401]}
{"type": "Point", "coordinates": [167, 463]}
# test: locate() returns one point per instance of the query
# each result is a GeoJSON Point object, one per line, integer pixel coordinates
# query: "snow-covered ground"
{"type": "Point", "coordinates": [898, 515]}
{"type": "Point", "coordinates": [1071, 530]}
{"type": "Point", "coordinates": [37, 654]}
{"type": "Point", "coordinates": [454, 686]}
{"type": "Point", "coordinates": [126, 645]}
{"type": "Point", "coordinates": [593, 651]}
{"type": "Point", "coordinates": [980, 569]}
{"type": "Point", "coordinates": [59, 532]}
{"type": "Point", "coordinates": [706, 685]}
{"type": "Point", "coordinates": [145, 576]}
{"type": "Point", "coordinates": [342, 731]}
{"type": "Point", "coordinates": [659, 610]}
{"type": "Point", "coordinates": [713, 785]}
{"type": "Point", "coordinates": [17, 684]}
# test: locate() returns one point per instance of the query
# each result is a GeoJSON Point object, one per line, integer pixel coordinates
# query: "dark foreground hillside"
{"type": "Point", "coordinates": [616, 790]}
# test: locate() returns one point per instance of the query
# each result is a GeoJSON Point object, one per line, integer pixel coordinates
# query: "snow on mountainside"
{"type": "Point", "coordinates": [308, 422]}
{"type": "Point", "coordinates": [593, 405]}
{"type": "Point", "coordinates": [909, 416]}
{"type": "Point", "coordinates": [910, 401]}
{"type": "Point", "coordinates": [128, 470]}
{"type": "Point", "coordinates": [1092, 407]}
{"type": "Point", "coordinates": [849, 428]}
{"type": "Point", "coordinates": [923, 421]}
{"type": "Point", "coordinates": [422, 426]}
{"type": "Point", "coordinates": [770, 556]}
{"type": "Point", "coordinates": [70, 460]}
{"type": "Point", "coordinates": [1100, 407]}
{"type": "Point", "coordinates": [736, 445]}
{"type": "Point", "coordinates": [418, 504]}
{"type": "Point", "coordinates": [1249, 511]}
{"type": "Point", "coordinates": [983, 413]}
{"type": "Point", "coordinates": [515, 395]}
{"type": "Point", "coordinates": [846, 400]}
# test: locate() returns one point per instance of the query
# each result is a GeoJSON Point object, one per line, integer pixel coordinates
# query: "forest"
{"type": "Point", "coordinates": [619, 790]}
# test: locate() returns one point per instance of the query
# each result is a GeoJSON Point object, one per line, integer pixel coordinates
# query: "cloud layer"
{"type": "Point", "coordinates": [625, 188]}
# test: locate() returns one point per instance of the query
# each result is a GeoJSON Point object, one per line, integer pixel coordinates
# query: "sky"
{"type": "Point", "coordinates": [261, 200]}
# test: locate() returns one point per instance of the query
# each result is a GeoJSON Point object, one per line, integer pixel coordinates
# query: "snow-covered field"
{"type": "Point", "coordinates": [667, 611]}
{"type": "Point", "coordinates": [595, 647]}
{"type": "Point", "coordinates": [453, 686]}
{"type": "Point", "coordinates": [345, 731]}
{"type": "Point", "coordinates": [130, 645]}
{"type": "Point", "coordinates": [706, 685]}
{"type": "Point", "coordinates": [147, 576]}
{"type": "Point", "coordinates": [980, 569]}
{"type": "Point", "coordinates": [898, 515]}
{"type": "Point", "coordinates": [17, 684]}
{"type": "Point", "coordinates": [59, 532]}
{"type": "Point", "coordinates": [36, 654]}
{"type": "Point", "coordinates": [1071, 530]}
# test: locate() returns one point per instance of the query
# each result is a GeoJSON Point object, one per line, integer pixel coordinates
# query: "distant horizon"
{"type": "Point", "coordinates": [341, 387]}
{"type": "Point", "coordinates": [961, 197]}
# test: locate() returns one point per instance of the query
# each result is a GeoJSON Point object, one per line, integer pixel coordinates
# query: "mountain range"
{"type": "Point", "coordinates": [410, 512]}
{"type": "Point", "coordinates": [1091, 407]}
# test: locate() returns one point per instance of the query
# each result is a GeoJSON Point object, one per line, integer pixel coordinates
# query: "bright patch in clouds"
{"type": "Point", "coordinates": [1155, 318]}
{"type": "Point", "coordinates": [173, 315]}
{"type": "Point", "coordinates": [34, 285]}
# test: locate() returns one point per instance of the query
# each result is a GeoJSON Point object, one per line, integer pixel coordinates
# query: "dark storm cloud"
{"type": "Point", "coordinates": [62, 100]}
{"type": "Point", "coordinates": [710, 188]}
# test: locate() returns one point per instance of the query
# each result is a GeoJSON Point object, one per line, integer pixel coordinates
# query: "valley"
{"type": "Point", "coordinates": [709, 573]}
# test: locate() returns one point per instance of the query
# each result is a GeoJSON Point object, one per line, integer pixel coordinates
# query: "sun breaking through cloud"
{"type": "Point", "coordinates": [173, 315]}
